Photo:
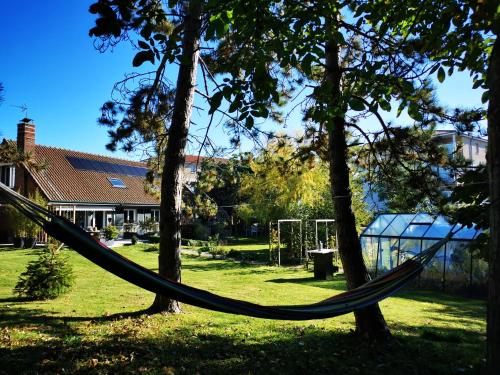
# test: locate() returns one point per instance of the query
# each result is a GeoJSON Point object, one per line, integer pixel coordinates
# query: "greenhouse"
{"type": "Point", "coordinates": [392, 238]}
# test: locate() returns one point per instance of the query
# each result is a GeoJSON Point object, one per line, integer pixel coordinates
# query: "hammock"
{"type": "Point", "coordinates": [98, 253]}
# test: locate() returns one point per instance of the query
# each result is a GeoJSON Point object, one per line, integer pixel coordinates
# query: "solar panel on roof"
{"type": "Point", "coordinates": [106, 167]}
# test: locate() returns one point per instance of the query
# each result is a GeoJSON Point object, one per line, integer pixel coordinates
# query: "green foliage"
{"type": "Point", "coordinates": [152, 249]}
{"type": "Point", "coordinates": [19, 223]}
{"type": "Point", "coordinates": [148, 225]}
{"type": "Point", "coordinates": [213, 247]}
{"type": "Point", "coordinates": [200, 231]}
{"type": "Point", "coordinates": [134, 239]}
{"type": "Point", "coordinates": [111, 233]}
{"type": "Point", "coordinates": [218, 184]}
{"type": "Point", "coordinates": [154, 239]}
{"type": "Point", "coordinates": [47, 277]}
{"type": "Point", "coordinates": [469, 204]}
{"type": "Point", "coordinates": [281, 184]}
{"type": "Point", "coordinates": [405, 177]}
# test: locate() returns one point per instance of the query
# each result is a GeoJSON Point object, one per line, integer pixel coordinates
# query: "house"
{"type": "Point", "coordinates": [93, 191]}
{"type": "Point", "coordinates": [471, 147]}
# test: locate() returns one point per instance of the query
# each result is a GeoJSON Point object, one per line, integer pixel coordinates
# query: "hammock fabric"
{"type": "Point", "coordinates": [98, 253]}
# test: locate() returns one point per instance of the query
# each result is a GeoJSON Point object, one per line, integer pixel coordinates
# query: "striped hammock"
{"type": "Point", "coordinates": [98, 253]}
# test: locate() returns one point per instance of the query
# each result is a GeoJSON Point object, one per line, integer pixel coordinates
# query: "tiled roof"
{"type": "Point", "coordinates": [61, 182]}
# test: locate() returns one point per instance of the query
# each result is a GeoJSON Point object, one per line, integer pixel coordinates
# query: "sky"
{"type": "Point", "coordinates": [49, 63]}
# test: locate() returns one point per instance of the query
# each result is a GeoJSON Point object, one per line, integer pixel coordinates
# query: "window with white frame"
{"type": "Point", "coordinates": [8, 175]}
{"type": "Point", "coordinates": [155, 215]}
{"type": "Point", "coordinates": [129, 216]}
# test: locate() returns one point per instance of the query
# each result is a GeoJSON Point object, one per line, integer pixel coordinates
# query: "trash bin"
{"type": "Point", "coordinates": [323, 263]}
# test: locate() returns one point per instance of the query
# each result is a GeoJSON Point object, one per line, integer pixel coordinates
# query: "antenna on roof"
{"type": "Point", "coordinates": [23, 108]}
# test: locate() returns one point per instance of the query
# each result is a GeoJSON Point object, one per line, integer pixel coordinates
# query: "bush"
{"type": "Point", "coordinates": [152, 249]}
{"type": "Point", "coordinates": [47, 277]}
{"type": "Point", "coordinates": [111, 232]}
{"type": "Point", "coordinates": [134, 239]}
{"type": "Point", "coordinates": [154, 239]}
{"type": "Point", "coordinates": [212, 246]}
{"type": "Point", "coordinates": [200, 232]}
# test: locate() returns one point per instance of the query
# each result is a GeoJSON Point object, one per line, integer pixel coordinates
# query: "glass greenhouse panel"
{"type": "Point", "coordinates": [379, 224]}
{"type": "Point", "coordinates": [423, 218]}
{"type": "Point", "coordinates": [388, 254]}
{"type": "Point", "coordinates": [408, 249]}
{"type": "Point", "coordinates": [416, 230]}
{"type": "Point", "coordinates": [465, 233]}
{"type": "Point", "coordinates": [432, 275]}
{"type": "Point", "coordinates": [457, 265]}
{"type": "Point", "coordinates": [439, 228]}
{"type": "Point", "coordinates": [370, 248]}
{"type": "Point", "coordinates": [398, 225]}
{"type": "Point", "coordinates": [479, 272]}
{"type": "Point", "coordinates": [398, 237]}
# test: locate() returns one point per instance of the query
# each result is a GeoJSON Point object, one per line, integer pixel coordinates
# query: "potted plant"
{"type": "Point", "coordinates": [110, 234]}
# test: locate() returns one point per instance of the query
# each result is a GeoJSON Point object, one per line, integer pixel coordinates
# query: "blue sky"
{"type": "Point", "coordinates": [49, 63]}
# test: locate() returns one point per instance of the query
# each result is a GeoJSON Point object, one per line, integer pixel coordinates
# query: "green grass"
{"type": "Point", "coordinates": [100, 326]}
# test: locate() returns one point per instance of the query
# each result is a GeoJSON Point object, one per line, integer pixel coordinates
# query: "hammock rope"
{"type": "Point", "coordinates": [76, 238]}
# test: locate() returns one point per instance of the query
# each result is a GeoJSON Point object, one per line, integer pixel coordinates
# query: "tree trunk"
{"type": "Point", "coordinates": [169, 259]}
{"type": "Point", "coordinates": [493, 326]}
{"type": "Point", "coordinates": [370, 322]}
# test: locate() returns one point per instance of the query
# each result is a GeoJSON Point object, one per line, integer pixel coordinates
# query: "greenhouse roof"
{"type": "Point", "coordinates": [417, 226]}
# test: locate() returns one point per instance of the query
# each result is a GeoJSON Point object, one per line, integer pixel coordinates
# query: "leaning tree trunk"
{"type": "Point", "coordinates": [370, 322]}
{"type": "Point", "coordinates": [493, 326]}
{"type": "Point", "coordinates": [169, 260]}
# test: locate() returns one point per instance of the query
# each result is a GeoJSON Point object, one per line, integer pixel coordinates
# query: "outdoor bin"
{"type": "Point", "coordinates": [323, 264]}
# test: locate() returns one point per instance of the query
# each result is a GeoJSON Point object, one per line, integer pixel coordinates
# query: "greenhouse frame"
{"type": "Point", "coordinates": [390, 239]}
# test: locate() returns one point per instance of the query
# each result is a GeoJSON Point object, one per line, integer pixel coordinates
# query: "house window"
{"type": "Point", "coordinates": [192, 167]}
{"type": "Point", "coordinates": [8, 175]}
{"type": "Point", "coordinates": [117, 183]}
{"type": "Point", "coordinates": [129, 216]}
{"type": "Point", "coordinates": [155, 215]}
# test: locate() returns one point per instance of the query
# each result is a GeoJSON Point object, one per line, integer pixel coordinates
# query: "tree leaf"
{"type": "Point", "coordinates": [441, 74]}
{"type": "Point", "coordinates": [485, 97]}
{"type": "Point", "coordinates": [142, 57]}
{"type": "Point", "coordinates": [249, 122]}
{"type": "Point", "coordinates": [143, 44]}
{"type": "Point", "coordinates": [215, 101]}
{"type": "Point", "coordinates": [356, 104]}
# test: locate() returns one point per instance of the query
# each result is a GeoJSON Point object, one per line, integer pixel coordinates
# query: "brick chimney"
{"type": "Point", "coordinates": [25, 135]}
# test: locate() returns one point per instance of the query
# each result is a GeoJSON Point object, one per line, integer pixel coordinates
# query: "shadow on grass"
{"type": "Point", "coordinates": [246, 240]}
{"type": "Point", "coordinates": [337, 283]}
{"type": "Point", "coordinates": [285, 350]}
{"type": "Point", "coordinates": [448, 304]}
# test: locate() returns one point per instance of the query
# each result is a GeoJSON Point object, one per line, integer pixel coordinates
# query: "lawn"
{"type": "Point", "coordinates": [100, 326]}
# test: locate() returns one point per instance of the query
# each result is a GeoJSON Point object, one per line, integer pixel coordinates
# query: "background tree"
{"type": "Point", "coordinates": [158, 41]}
{"type": "Point", "coordinates": [462, 35]}
{"type": "Point", "coordinates": [345, 67]}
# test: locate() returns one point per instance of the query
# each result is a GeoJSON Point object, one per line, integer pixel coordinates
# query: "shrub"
{"type": "Point", "coordinates": [235, 254]}
{"type": "Point", "coordinates": [47, 277]}
{"type": "Point", "coordinates": [134, 239]}
{"type": "Point", "coordinates": [152, 249]}
{"type": "Point", "coordinates": [154, 239]}
{"type": "Point", "coordinates": [200, 232]}
{"type": "Point", "coordinates": [111, 232]}
{"type": "Point", "coordinates": [148, 225]}
{"type": "Point", "coordinates": [212, 246]}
